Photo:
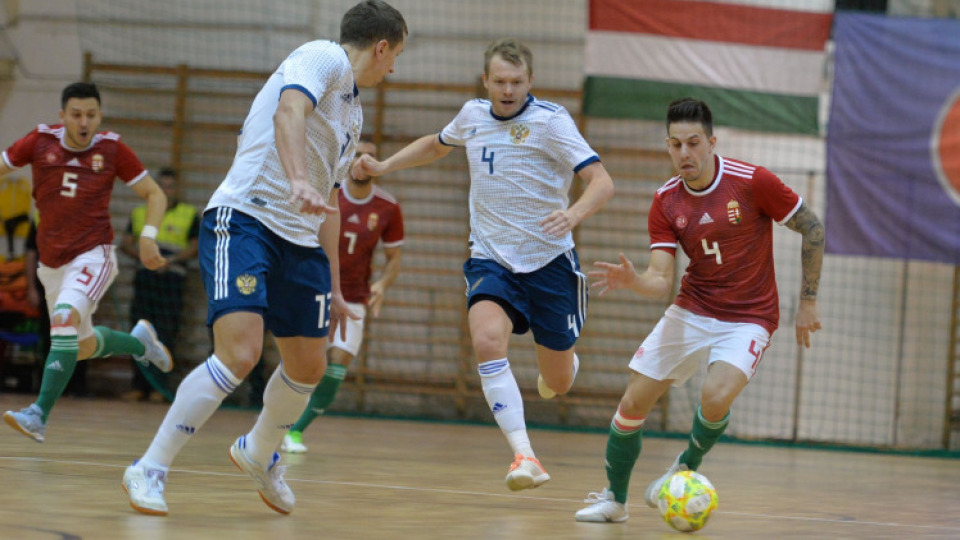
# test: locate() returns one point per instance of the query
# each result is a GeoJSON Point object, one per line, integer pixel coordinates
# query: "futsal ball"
{"type": "Point", "coordinates": [686, 501]}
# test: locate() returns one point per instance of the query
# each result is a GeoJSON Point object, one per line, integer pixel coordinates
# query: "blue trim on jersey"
{"type": "Point", "coordinates": [301, 89]}
{"type": "Point", "coordinates": [584, 163]}
{"type": "Point", "coordinates": [552, 107]}
{"type": "Point", "coordinates": [356, 91]}
{"type": "Point", "coordinates": [336, 185]}
{"type": "Point", "coordinates": [522, 109]}
{"type": "Point", "coordinates": [440, 138]}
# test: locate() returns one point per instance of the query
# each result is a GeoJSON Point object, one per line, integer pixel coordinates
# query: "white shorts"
{"type": "Point", "coordinates": [681, 340]}
{"type": "Point", "coordinates": [354, 331]}
{"type": "Point", "coordinates": [81, 283]}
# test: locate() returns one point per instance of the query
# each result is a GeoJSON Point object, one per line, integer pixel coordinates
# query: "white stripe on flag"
{"type": "Point", "coordinates": [704, 63]}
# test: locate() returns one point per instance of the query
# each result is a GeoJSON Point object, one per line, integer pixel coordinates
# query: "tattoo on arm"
{"type": "Point", "coordinates": [806, 222]}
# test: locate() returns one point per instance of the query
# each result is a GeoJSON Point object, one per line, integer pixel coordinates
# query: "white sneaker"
{"type": "Point", "coordinates": [543, 389]}
{"type": "Point", "coordinates": [603, 508]}
{"type": "Point", "coordinates": [145, 488]}
{"type": "Point", "coordinates": [653, 490]}
{"type": "Point", "coordinates": [526, 473]}
{"type": "Point", "coordinates": [293, 443]}
{"type": "Point", "coordinates": [273, 489]}
{"type": "Point", "coordinates": [155, 352]}
{"type": "Point", "coordinates": [28, 421]}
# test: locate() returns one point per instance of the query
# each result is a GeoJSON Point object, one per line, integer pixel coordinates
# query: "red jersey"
{"type": "Point", "coordinates": [72, 188]}
{"type": "Point", "coordinates": [363, 224]}
{"type": "Point", "coordinates": [727, 231]}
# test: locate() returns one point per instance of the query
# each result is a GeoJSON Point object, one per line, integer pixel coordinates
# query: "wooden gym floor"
{"type": "Point", "coordinates": [384, 479]}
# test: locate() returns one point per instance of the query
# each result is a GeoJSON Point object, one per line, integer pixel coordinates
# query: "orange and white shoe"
{"type": "Point", "coordinates": [526, 473]}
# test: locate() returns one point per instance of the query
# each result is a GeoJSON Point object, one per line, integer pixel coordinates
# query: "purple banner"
{"type": "Point", "coordinates": [893, 143]}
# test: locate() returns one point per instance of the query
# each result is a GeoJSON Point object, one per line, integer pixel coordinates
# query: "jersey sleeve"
{"type": "Point", "coordinates": [566, 145]}
{"type": "Point", "coordinates": [393, 233]}
{"type": "Point", "coordinates": [662, 235]}
{"type": "Point", "coordinates": [310, 70]}
{"type": "Point", "coordinates": [129, 168]}
{"type": "Point", "coordinates": [20, 153]}
{"type": "Point", "coordinates": [454, 133]}
{"type": "Point", "coordinates": [773, 197]}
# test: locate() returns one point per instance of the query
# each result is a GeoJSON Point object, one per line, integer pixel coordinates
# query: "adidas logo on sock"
{"type": "Point", "coordinates": [55, 366]}
{"type": "Point", "coordinates": [497, 407]}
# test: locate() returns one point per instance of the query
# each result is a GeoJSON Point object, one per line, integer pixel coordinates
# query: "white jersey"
{"type": "Point", "coordinates": [521, 169]}
{"type": "Point", "coordinates": [256, 184]}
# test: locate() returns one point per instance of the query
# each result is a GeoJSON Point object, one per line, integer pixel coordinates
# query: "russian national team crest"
{"type": "Point", "coordinates": [246, 284]}
{"type": "Point", "coordinates": [519, 133]}
{"type": "Point", "coordinates": [893, 162]}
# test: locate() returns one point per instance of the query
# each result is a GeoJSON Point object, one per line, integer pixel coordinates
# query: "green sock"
{"type": "Point", "coordinates": [59, 367]}
{"type": "Point", "coordinates": [623, 449]}
{"type": "Point", "coordinates": [702, 438]}
{"type": "Point", "coordinates": [111, 342]}
{"type": "Point", "coordinates": [322, 396]}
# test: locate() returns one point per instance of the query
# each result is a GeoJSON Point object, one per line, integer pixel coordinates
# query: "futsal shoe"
{"type": "Point", "coordinates": [270, 484]}
{"type": "Point", "coordinates": [603, 508]}
{"type": "Point", "coordinates": [154, 352]}
{"type": "Point", "coordinates": [526, 473]}
{"type": "Point", "coordinates": [28, 421]}
{"type": "Point", "coordinates": [653, 490]}
{"type": "Point", "coordinates": [145, 488]}
{"type": "Point", "coordinates": [543, 389]}
{"type": "Point", "coordinates": [293, 443]}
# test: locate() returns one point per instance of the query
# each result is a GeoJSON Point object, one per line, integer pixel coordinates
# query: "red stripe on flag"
{"type": "Point", "coordinates": [711, 21]}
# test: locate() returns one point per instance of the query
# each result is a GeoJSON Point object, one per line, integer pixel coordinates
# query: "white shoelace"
{"type": "Point", "coordinates": [596, 497]}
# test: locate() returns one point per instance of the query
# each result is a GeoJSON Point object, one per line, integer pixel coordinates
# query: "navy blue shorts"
{"type": "Point", "coordinates": [551, 301]}
{"type": "Point", "coordinates": [246, 267]}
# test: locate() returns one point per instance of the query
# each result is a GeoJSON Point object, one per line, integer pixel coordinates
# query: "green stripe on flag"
{"type": "Point", "coordinates": [607, 97]}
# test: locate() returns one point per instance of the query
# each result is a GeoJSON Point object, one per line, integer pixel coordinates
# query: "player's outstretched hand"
{"type": "Point", "coordinates": [559, 223]}
{"type": "Point", "coordinates": [366, 166]}
{"type": "Point", "coordinates": [613, 276]}
{"type": "Point", "coordinates": [150, 254]}
{"type": "Point", "coordinates": [339, 313]}
{"type": "Point", "coordinates": [808, 321]}
{"type": "Point", "coordinates": [309, 199]}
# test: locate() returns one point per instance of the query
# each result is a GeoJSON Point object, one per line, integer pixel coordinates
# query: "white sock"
{"type": "Point", "coordinates": [283, 402]}
{"type": "Point", "coordinates": [503, 396]}
{"type": "Point", "coordinates": [198, 397]}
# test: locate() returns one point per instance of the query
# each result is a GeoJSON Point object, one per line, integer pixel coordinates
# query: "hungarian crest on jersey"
{"type": "Point", "coordinates": [733, 212]}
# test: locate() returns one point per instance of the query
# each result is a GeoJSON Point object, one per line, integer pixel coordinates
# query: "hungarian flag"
{"type": "Point", "coordinates": [893, 142]}
{"type": "Point", "coordinates": [759, 69]}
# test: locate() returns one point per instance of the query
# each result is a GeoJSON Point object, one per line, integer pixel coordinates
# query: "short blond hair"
{"type": "Point", "coordinates": [510, 50]}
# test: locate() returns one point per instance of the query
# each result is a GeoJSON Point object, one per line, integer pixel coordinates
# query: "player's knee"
{"type": "Point", "coordinates": [714, 406]}
{"type": "Point", "coordinates": [64, 315]}
{"type": "Point", "coordinates": [489, 344]}
{"type": "Point", "coordinates": [339, 357]}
